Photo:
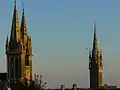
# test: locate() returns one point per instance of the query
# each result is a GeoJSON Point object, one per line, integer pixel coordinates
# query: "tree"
{"type": "Point", "coordinates": [39, 81]}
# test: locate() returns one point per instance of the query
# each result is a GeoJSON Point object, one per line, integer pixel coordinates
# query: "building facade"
{"type": "Point", "coordinates": [95, 64]}
{"type": "Point", "coordinates": [19, 49]}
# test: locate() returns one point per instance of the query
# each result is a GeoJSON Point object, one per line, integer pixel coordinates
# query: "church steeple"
{"type": "Point", "coordinates": [95, 63]}
{"type": "Point", "coordinates": [18, 52]}
{"type": "Point", "coordinates": [15, 25]}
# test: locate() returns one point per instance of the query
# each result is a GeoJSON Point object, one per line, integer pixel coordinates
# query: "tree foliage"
{"type": "Point", "coordinates": [36, 84]}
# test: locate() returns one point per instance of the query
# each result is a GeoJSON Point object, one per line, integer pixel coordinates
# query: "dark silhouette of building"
{"type": "Point", "coordinates": [3, 76]}
{"type": "Point", "coordinates": [19, 50]}
{"type": "Point", "coordinates": [3, 79]}
{"type": "Point", "coordinates": [95, 64]}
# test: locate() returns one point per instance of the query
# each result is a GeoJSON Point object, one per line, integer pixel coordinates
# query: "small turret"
{"type": "Point", "coordinates": [30, 40]}
{"type": "Point", "coordinates": [7, 44]}
{"type": "Point", "coordinates": [90, 59]}
{"type": "Point", "coordinates": [90, 54]}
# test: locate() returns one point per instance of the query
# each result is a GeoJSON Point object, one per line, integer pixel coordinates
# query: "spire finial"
{"type": "Point", "coordinates": [23, 5]}
{"type": "Point", "coordinates": [15, 3]}
{"type": "Point", "coordinates": [95, 27]}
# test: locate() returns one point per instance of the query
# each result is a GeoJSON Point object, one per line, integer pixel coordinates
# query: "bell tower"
{"type": "Point", "coordinates": [19, 49]}
{"type": "Point", "coordinates": [95, 64]}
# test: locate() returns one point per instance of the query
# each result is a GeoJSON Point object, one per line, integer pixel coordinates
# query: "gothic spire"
{"type": "Point", "coordinates": [23, 24]}
{"type": "Point", "coordinates": [95, 42]}
{"type": "Point", "coordinates": [15, 24]}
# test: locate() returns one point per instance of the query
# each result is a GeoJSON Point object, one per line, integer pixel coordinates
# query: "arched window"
{"type": "Point", "coordinates": [12, 67]}
{"type": "Point", "coordinates": [27, 60]}
{"type": "Point", "coordinates": [16, 67]}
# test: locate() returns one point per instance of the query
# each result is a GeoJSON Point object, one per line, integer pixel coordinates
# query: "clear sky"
{"type": "Point", "coordinates": [61, 30]}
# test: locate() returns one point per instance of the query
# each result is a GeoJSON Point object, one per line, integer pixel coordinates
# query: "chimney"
{"type": "Point", "coordinates": [74, 87]}
{"type": "Point", "coordinates": [62, 87]}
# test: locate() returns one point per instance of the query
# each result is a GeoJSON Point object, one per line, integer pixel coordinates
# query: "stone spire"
{"type": "Point", "coordinates": [95, 63]}
{"type": "Point", "coordinates": [95, 42]}
{"type": "Point", "coordinates": [15, 25]}
{"type": "Point", "coordinates": [23, 28]}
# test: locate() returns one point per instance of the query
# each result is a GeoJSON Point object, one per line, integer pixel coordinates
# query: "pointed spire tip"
{"type": "Point", "coordinates": [23, 6]}
{"type": "Point", "coordinates": [94, 24]}
{"type": "Point", "coordinates": [95, 44]}
{"type": "Point", "coordinates": [15, 3]}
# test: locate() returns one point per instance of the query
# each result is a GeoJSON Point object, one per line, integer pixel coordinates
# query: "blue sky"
{"type": "Point", "coordinates": [65, 30]}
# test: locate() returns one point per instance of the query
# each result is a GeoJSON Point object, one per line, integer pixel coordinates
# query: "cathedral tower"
{"type": "Point", "coordinates": [95, 63]}
{"type": "Point", "coordinates": [19, 50]}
